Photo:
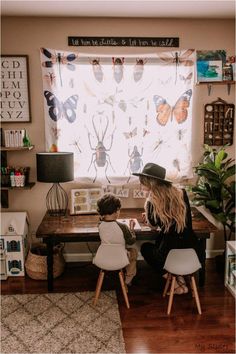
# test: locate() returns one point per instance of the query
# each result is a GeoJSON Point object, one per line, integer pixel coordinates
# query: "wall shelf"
{"type": "Point", "coordinates": [213, 83]}
{"type": "Point", "coordinates": [5, 189]}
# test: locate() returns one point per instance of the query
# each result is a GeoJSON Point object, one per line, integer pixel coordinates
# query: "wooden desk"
{"type": "Point", "coordinates": [83, 228]}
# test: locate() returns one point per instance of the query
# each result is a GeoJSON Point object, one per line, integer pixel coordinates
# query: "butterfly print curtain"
{"type": "Point", "coordinates": [118, 113]}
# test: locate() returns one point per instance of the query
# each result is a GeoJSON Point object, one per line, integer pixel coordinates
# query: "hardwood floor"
{"type": "Point", "coordinates": [146, 326]}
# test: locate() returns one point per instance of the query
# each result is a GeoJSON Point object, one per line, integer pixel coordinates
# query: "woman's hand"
{"type": "Point", "coordinates": [144, 219]}
{"type": "Point", "coordinates": [131, 224]}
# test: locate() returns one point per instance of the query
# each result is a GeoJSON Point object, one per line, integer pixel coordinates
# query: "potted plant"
{"type": "Point", "coordinates": [214, 189]}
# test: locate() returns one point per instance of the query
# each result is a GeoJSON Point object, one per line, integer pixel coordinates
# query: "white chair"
{"type": "Point", "coordinates": [111, 257]}
{"type": "Point", "coordinates": [181, 262]}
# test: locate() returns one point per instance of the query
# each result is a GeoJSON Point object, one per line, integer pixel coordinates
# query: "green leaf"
{"type": "Point", "coordinates": [219, 157]}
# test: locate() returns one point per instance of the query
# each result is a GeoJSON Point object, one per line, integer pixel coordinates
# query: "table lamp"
{"type": "Point", "coordinates": [55, 167]}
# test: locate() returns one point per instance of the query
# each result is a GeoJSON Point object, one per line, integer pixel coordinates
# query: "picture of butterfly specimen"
{"type": "Point", "coordinates": [178, 58]}
{"type": "Point", "coordinates": [139, 69]}
{"type": "Point", "coordinates": [58, 109]}
{"type": "Point", "coordinates": [60, 59]}
{"type": "Point", "coordinates": [179, 111]}
{"type": "Point", "coordinates": [118, 69]}
{"type": "Point", "coordinates": [131, 134]}
{"type": "Point", "coordinates": [97, 69]}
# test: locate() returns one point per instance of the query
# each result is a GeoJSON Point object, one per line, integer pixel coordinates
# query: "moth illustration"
{"type": "Point", "coordinates": [118, 69]}
{"type": "Point", "coordinates": [97, 69]}
{"type": "Point", "coordinates": [50, 78]}
{"type": "Point", "coordinates": [58, 109]}
{"type": "Point", "coordinates": [60, 59]}
{"type": "Point", "coordinates": [139, 69]}
{"type": "Point", "coordinates": [179, 111]}
{"type": "Point", "coordinates": [131, 134]}
{"type": "Point", "coordinates": [187, 78]}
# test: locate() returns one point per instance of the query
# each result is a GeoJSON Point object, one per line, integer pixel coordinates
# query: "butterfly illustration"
{"type": "Point", "coordinates": [131, 134]}
{"type": "Point", "coordinates": [58, 58]}
{"type": "Point", "coordinates": [179, 110]}
{"type": "Point", "coordinates": [58, 109]}
{"type": "Point", "coordinates": [187, 78]}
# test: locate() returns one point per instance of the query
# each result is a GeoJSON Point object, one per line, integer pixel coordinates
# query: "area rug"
{"type": "Point", "coordinates": [61, 323]}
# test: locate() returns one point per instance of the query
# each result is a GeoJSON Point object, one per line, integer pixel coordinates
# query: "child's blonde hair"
{"type": "Point", "coordinates": [168, 203]}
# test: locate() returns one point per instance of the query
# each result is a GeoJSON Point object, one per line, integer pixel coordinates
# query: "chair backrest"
{"type": "Point", "coordinates": [182, 261]}
{"type": "Point", "coordinates": [111, 257]}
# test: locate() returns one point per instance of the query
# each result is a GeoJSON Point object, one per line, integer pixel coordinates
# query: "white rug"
{"type": "Point", "coordinates": [61, 323]}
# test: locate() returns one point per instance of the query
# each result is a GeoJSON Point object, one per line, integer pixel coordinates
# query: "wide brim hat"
{"type": "Point", "coordinates": [154, 171]}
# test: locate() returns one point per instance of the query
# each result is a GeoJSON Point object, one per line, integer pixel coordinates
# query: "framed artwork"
{"type": "Point", "coordinates": [15, 105]}
{"type": "Point", "coordinates": [84, 201]}
{"type": "Point", "coordinates": [210, 64]}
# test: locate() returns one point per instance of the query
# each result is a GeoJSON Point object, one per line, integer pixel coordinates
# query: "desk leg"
{"type": "Point", "coordinates": [50, 264]}
{"type": "Point", "coordinates": [202, 243]}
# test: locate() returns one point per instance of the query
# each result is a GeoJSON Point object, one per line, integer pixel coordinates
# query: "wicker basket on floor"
{"type": "Point", "coordinates": [36, 262]}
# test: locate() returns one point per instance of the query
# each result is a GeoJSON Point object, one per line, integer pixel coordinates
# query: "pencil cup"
{"type": "Point", "coordinates": [20, 181]}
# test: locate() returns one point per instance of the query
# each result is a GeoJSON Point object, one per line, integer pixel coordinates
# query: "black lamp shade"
{"type": "Point", "coordinates": [55, 167]}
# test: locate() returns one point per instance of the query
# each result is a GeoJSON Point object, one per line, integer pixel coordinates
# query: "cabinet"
{"type": "Point", "coordinates": [230, 267]}
{"type": "Point", "coordinates": [4, 190]}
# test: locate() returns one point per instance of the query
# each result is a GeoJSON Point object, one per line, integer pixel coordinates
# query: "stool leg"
{"type": "Point", "coordinates": [122, 283]}
{"type": "Point", "coordinates": [167, 284]}
{"type": "Point", "coordinates": [98, 287]}
{"type": "Point", "coordinates": [196, 295]}
{"type": "Point", "coordinates": [172, 289]}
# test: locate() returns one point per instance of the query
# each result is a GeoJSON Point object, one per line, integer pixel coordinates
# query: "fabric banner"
{"type": "Point", "coordinates": [118, 113]}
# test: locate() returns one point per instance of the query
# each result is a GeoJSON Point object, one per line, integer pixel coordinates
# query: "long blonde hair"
{"type": "Point", "coordinates": [168, 203]}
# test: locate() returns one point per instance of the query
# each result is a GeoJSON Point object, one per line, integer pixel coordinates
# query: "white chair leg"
{"type": "Point", "coordinates": [98, 287]}
{"type": "Point", "coordinates": [122, 283]}
{"type": "Point", "coordinates": [196, 295]}
{"type": "Point", "coordinates": [167, 284]}
{"type": "Point", "coordinates": [172, 289]}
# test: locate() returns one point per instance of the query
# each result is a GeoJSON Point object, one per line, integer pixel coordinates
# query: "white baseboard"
{"type": "Point", "coordinates": [87, 257]}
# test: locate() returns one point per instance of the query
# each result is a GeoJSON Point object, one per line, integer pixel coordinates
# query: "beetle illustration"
{"type": "Point", "coordinates": [97, 69]}
{"type": "Point", "coordinates": [139, 68]}
{"type": "Point", "coordinates": [135, 162]}
{"type": "Point", "coordinates": [100, 158]}
{"type": "Point", "coordinates": [118, 69]}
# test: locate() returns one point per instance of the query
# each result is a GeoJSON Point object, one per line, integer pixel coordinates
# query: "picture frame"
{"type": "Point", "coordinates": [15, 103]}
{"type": "Point", "coordinates": [84, 201]}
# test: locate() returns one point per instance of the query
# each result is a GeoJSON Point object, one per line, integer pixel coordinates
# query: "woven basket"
{"type": "Point", "coordinates": [36, 262]}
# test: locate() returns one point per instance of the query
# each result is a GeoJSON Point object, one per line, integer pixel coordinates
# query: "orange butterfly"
{"type": "Point", "coordinates": [179, 110]}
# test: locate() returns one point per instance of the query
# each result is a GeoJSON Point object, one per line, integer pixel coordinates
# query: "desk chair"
{"type": "Point", "coordinates": [181, 262]}
{"type": "Point", "coordinates": [111, 257]}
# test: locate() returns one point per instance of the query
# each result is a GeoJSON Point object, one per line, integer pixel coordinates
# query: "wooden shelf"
{"type": "Point", "coordinates": [20, 148]}
{"type": "Point", "coordinates": [4, 190]}
{"type": "Point", "coordinates": [216, 82]}
{"type": "Point", "coordinates": [210, 83]}
{"type": "Point", "coordinates": [27, 186]}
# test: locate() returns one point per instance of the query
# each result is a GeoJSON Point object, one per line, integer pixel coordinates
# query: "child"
{"type": "Point", "coordinates": [113, 232]}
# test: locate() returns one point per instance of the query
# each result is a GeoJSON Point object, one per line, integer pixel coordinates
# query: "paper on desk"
{"type": "Point", "coordinates": [125, 221]}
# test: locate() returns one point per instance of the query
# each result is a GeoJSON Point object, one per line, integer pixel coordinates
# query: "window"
{"type": "Point", "coordinates": [118, 113]}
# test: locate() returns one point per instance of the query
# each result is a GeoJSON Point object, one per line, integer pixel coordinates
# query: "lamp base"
{"type": "Point", "coordinates": [57, 200]}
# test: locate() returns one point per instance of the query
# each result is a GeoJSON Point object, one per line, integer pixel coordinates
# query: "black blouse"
{"type": "Point", "coordinates": [166, 241]}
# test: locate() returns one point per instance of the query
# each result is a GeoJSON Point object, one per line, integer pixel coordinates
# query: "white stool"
{"type": "Point", "coordinates": [111, 257]}
{"type": "Point", "coordinates": [181, 262]}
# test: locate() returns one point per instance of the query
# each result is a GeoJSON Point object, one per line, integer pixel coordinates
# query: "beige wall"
{"type": "Point", "coordinates": [26, 35]}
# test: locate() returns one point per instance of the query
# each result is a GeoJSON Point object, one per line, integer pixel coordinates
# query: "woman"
{"type": "Point", "coordinates": [167, 207]}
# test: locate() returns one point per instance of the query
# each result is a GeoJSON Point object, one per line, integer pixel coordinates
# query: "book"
{"type": "Point", "coordinates": [137, 226]}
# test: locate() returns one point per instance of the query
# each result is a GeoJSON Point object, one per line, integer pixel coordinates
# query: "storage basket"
{"type": "Point", "coordinates": [36, 262]}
